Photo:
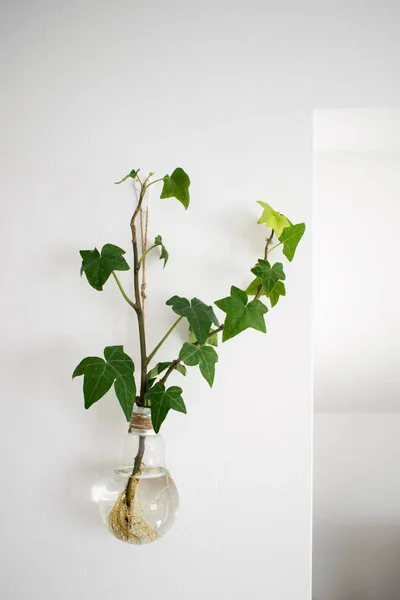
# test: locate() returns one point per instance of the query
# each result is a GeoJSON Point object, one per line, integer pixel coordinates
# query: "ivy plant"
{"type": "Point", "coordinates": [241, 309]}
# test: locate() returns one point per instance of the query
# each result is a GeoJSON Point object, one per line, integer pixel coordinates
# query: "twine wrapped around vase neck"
{"type": "Point", "coordinates": [140, 422]}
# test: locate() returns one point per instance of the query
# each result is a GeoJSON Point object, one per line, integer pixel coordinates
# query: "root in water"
{"type": "Point", "coordinates": [126, 520]}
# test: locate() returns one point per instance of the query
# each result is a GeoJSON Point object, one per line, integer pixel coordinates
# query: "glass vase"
{"type": "Point", "coordinates": [140, 501]}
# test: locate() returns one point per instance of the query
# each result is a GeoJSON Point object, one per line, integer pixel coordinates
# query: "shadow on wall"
{"type": "Point", "coordinates": [364, 562]}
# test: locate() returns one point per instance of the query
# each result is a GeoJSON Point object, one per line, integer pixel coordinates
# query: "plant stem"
{"type": "Point", "coordinates": [177, 361]}
{"type": "Point", "coordinates": [269, 240]}
{"type": "Point", "coordinates": [266, 250]}
{"type": "Point", "coordinates": [155, 181]}
{"type": "Point", "coordinates": [160, 343]}
{"type": "Point", "coordinates": [213, 332]}
{"type": "Point", "coordinates": [171, 368]}
{"type": "Point", "coordinates": [276, 246]}
{"type": "Point", "coordinates": [129, 301]}
{"type": "Point", "coordinates": [145, 253]}
{"type": "Point", "coordinates": [136, 468]}
{"type": "Point", "coordinates": [138, 300]}
{"type": "Point", "coordinates": [144, 228]}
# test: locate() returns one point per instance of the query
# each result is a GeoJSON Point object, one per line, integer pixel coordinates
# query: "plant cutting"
{"type": "Point", "coordinates": [140, 502]}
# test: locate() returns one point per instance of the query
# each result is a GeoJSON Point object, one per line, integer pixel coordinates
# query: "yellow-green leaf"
{"type": "Point", "coordinates": [272, 218]}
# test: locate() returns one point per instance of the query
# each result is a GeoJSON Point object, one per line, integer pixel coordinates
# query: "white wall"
{"type": "Point", "coordinates": [356, 350]}
{"type": "Point", "coordinates": [91, 89]}
{"type": "Point", "coordinates": [356, 507]}
{"type": "Point", "coordinates": [355, 216]}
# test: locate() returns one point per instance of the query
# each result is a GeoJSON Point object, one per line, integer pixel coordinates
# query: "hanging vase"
{"type": "Point", "coordinates": [140, 502]}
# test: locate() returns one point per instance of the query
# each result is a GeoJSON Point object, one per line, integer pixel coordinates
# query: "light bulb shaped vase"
{"type": "Point", "coordinates": [140, 502]}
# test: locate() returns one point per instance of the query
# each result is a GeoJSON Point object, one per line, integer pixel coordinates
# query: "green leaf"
{"type": "Point", "coordinates": [178, 304]}
{"type": "Point", "coordinates": [164, 253]}
{"type": "Point", "coordinates": [253, 287]}
{"type": "Point", "coordinates": [241, 314]}
{"type": "Point", "coordinates": [268, 274]}
{"type": "Point", "coordinates": [118, 360]}
{"type": "Point", "coordinates": [99, 375]}
{"type": "Point", "coordinates": [162, 366]}
{"type": "Point", "coordinates": [273, 219]}
{"type": "Point", "coordinates": [98, 267]}
{"type": "Point", "coordinates": [89, 257]}
{"type": "Point", "coordinates": [199, 315]}
{"type": "Point", "coordinates": [181, 369]}
{"type": "Point", "coordinates": [204, 356]}
{"type": "Point", "coordinates": [177, 186]}
{"type": "Point", "coordinates": [290, 238]}
{"type": "Point", "coordinates": [159, 368]}
{"type": "Point", "coordinates": [162, 400]}
{"type": "Point", "coordinates": [132, 174]}
{"type": "Point", "coordinates": [97, 380]}
{"type": "Point", "coordinates": [150, 383]}
{"type": "Point", "coordinates": [278, 291]}
{"type": "Point", "coordinates": [274, 294]}
{"type": "Point", "coordinates": [125, 389]}
{"type": "Point", "coordinates": [212, 340]}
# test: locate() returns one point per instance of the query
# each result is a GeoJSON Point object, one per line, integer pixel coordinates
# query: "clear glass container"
{"type": "Point", "coordinates": [140, 501]}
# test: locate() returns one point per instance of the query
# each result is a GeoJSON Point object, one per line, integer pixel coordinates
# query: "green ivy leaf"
{"type": "Point", "coordinates": [149, 383]}
{"type": "Point", "coordinates": [212, 340]}
{"type": "Point", "coordinates": [268, 274]}
{"type": "Point", "coordinates": [253, 287]}
{"type": "Point", "coordinates": [98, 267]}
{"type": "Point", "coordinates": [181, 369]}
{"type": "Point", "coordinates": [162, 366]}
{"type": "Point", "coordinates": [152, 375]}
{"type": "Point", "coordinates": [162, 400]}
{"type": "Point", "coordinates": [278, 291]}
{"type": "Point", "coordinates": [290, 239]}
{"type": "Point", "coordinates": [273, 219]}
{"type": "Point", "coordinates": [199, 315]}
{"type": "Point", "coordinates": [118, 360]}
{"type": "Point", "coordinates": [99, 375]}
{"type": "Point", "coordinates": [132, 175]}
{"type": "Point", "coordinates": [241, 314]}
{"type": "Point", "coordinates": [274, 295]}
{"type": "Point", "coordinates": [164, 253]}
{"type": "Point", "coordinates": [98, 378]}
{"type": "Point", "coordinates": [204, 356]}
{"type": "Point", "coordinates": [177, 186]}
{"type": "Point", "coordinates": [159, 368]}
{"type": "Point", "coordinates": [125, 389]}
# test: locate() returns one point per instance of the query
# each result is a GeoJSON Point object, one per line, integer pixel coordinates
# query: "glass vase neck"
{"type": "Point", "coordinates": [140, 422]}
{"type": "Point", "coordinates": [142, 438]}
